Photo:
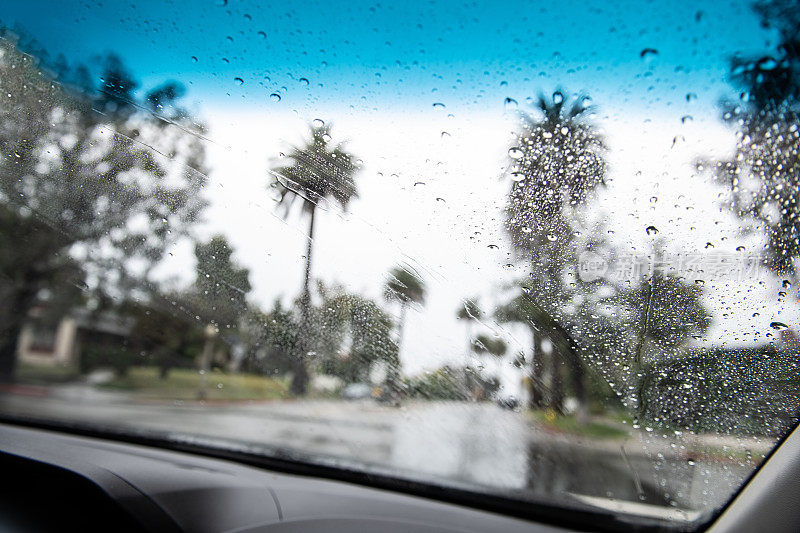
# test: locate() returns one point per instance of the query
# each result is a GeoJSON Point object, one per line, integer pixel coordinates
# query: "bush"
{"type": "Point", "coordinates": [449, 383]}
{"type": "Point", "coordinates": [117, 358]}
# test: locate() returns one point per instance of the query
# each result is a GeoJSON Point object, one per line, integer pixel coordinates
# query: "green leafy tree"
{"type": "Point", "coordinates": [666, 312]}
{"type": "Point", "coordinates": [219, 294]}
{"type": "Point", "coordinates": [93, 188]}
{"type": "Point", "coordinates": [165, 330]}
{"type": "Point", "coordinates": [272, 339]}
{"type": "Point", "coordinates": [354, 334]}
{"type": "Point", "coordinates": [315, 172]}
{"type": "Point", "coordinates": [469, 312]}
{"type": "Point", "coordinates": [449, 383]}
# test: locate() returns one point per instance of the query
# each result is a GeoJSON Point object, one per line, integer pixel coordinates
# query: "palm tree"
{"type": "Point", "coordinates": [557, 160]}
{"type": "Point", "coordinates": [521, 309]}
{"type": "Point", "coordinates": [405, 286]}
{"type": "Point", "coordinates": [486, 344]}
{"type": "Point", "coordinates": [762, 175]}
{"type": "Point", "coordinates": [317, 171]}
{"type": "Point", "coordinates": [469, 312]}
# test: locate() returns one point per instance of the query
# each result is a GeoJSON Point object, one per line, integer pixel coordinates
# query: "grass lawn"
{"type": "Point", "coordinates": [45, 374]}
{"type": "Point", "coordinates": [592, 429]}
{"type": "Point", "coordinates": [184, 384]}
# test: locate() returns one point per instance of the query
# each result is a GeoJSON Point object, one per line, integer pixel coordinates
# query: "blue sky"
{"type": "Point", "coordinates": [364, 55]}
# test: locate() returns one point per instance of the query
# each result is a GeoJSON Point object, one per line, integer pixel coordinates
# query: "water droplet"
{"type": "Point", "coordinates": [690, 97]}
{"type": "Point", "coordinates": [648, 53]}
{"type": "Point", "coordinates": [194, 59]}
{"type": "Point", "coordinates": [686, 118]}
{"type": "Point", "coordinates": [439, 105]}
{"type": "Point", "coordinates": [552, 237]}
{"type": "Point", "coordinates": [709, 245]}
{"type": "Point", "coordinates": [517, 176]}
{"type": "Point", "coordinates": [438, 199]}
{"type": "Point", "coordinates": [275, 97]}
{"type": "Point", "coordinates": [786, 284]}
{"type": "Point", "coordinates": [318, 123]}
{"type": "Point", "coordinates": [445, 134]}
{"type": "Point", "coordinates": [778, 325]}
{"type": "Point", "coordinates": [262, 34]}
{"type": "Point", "coordinates": [238, 81]}
{"type": "Point", "coordinates": [493, 247]}
{"type": "Point", "coordinates": [651, 230]}
{"type": "Point", "coordinates": [653, 199]}
{"type": "Point", "coordinates": [515, 153]}
{"type": "Point", "coordinates": [510, 103]}
{"type": "Point", "coordinates": [699, 282]}
{"type": "Point", "coordinates": [691, 462]}
{"type": "Point", "coordinates": [304, 81]}
{"type": "Point", "coordinates": [419, 183]}
{"type": "Point", "coordinates": [740, 248]}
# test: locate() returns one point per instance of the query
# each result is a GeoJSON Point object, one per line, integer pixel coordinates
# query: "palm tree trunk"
{"type": "Point", "coordinates": [400, 324]}
{"type": "Point", "coordinates": [299, 385]}
{"type": "Point", "coordinates": [556, 381]}
{"type": "Point", "coordinates": [8, 353]}
{"type": "Point", "coordinates": [309, 250]}
{"type": "Point", "coordinates": [578, 375]}
{"type": "Point", "coordinates": [536, 398]}
{"type": "Point", "coordinates": [468, 353]}
{"type": "Point", "coordinates": [19, 305]}
{"type": "Point", "coordinates": [467, 357]}
{"type": "Point", "coordinates": [393, 372]}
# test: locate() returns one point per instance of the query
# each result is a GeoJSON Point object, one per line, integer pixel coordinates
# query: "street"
{"type": "Point", "coordinates": [473, 444]}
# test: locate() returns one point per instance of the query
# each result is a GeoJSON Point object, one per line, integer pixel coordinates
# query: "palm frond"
{"type": "Point", "coordinates": [317, 170]}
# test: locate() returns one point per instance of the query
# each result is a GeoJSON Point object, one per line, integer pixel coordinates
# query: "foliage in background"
{"type": "Point", "coordinates": [354, 334]}
{"type": "Point", "coordinates": [449, 383]}
{"type": "Point", "coordinates": [83, 168]}
{"type": "Point", "coordinates": [763, 175]}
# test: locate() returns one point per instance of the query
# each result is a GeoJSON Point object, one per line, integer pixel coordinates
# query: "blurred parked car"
{"type": "Point", "coordinates": [357, 391]}
{"type": "Point", "coordinates": [508, 402]}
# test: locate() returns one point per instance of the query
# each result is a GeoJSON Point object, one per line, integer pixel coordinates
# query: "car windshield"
{"type": "Point", "coordinates": [541, 251]}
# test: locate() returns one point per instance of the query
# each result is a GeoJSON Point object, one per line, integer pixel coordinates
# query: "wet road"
{"type": "Point", "coordinates": [475, 444]}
